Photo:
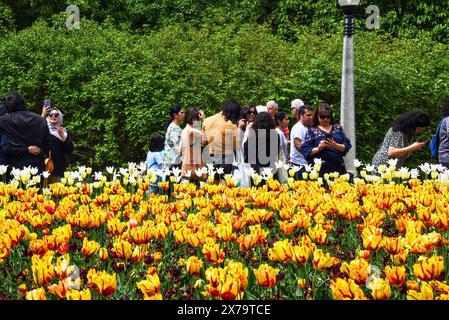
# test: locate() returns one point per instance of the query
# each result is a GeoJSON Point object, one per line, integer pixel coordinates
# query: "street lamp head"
{"type": "Point", "coordinates": [346, 3]}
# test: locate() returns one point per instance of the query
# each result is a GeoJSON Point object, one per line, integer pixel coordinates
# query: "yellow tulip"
{"type": "Point", "coordinates": [424, 293]}
{"type": "Point", "coordinates": [102, 282]}
{"type": "Point", "coordinates": [194, 265]}
{"type": "Point", "coordinates": [78, 295]}
{"type": "Point", "coordinates": [358, 270]}
{"type": "Point", "coordinates": [266, 276]}
{"type": "Point", "coordinates": [89, 247]}
{"type": "Point", "coordinates": [428, 268]}
{"type": "Point", "coordinates": [281, 251]}
{"type": "Point", "coordinates": [36, 294]}
{"type": "Point", "coordinates": [150, 286]}
{"type": "Point", "coordinates": [302, 283]}
{"type": "Point", "coordinates": [123, 249]}
{"type": "Point", "coordinates": [395, 275]}
{"type": "Point", "coordinates": [346, 289]}
{"type": "Point", "coordinates": [318, 234]}
{"type": "Point", "coordinates": [372, 238]}
{"type": "Point", "coordinates": [213, 252]}
{"type": "Point", "coordinates": [322, 260]}
{"type": "Point", "coordinates": [380, 289]}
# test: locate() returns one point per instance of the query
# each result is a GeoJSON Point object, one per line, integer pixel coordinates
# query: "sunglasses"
{"type": "Point", "coordinates": [53, 115]}
{"type": "Point", "coordinates": [323, 117]}
{"type": "Point", "coordinates": [252, 112]}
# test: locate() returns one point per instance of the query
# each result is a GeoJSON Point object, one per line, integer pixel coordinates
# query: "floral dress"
{"type": "Point", "coordinates": [171, 146]}
{"type": "Point", "coordinates": [396, 139]}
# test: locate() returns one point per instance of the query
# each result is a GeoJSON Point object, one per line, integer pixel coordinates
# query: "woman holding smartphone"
{"type": "Point", "coordinates": [399, 141]}
{"type": "Point", "coordinates": [61, 143]}
{"type": "Point", "coordinates": [326, 141]}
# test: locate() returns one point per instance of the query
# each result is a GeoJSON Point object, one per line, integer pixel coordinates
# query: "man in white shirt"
{"type": "Point", "coordinates": [298, 134]}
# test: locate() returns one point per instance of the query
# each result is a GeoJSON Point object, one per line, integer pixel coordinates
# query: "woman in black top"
{"type": "Point", "coordinates": [60, 143]}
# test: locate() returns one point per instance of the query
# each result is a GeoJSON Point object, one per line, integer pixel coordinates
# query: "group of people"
{"type": "Point", "coordinates": [28, 139]}
{"type": "Point", "coordinates": [257, 135]}
{"type": "Point", "coordinates": [261, 137]}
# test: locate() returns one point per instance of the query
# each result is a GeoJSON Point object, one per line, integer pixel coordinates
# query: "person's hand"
{"type": "Point", "coordinates": [34, 150]}
{"type": "Point", "coordinates": [323, 144]}
{"type": "Point", "coordinates": [45, 111]}
{"type": "Point", "coordinates": [61, 132]}
{"type": "Point", "coordinates": [242, 123]}
{"type": "Point", "coordinates": [418, 145]}
{"type": "Point", "coordinates": [330, 143]}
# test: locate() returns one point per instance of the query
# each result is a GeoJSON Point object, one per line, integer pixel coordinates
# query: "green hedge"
{"type": "Point", "coordinates": [115, 87]}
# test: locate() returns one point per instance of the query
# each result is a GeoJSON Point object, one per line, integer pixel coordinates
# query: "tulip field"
{"type": "Point", "coordinates": [103, 235]}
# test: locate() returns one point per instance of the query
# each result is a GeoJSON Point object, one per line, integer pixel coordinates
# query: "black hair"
{"type": "Point", "coordinates": [264, 120]}
{"type": "Point", "coordinates": [156, 142]}
{"type": "Point", "coordinates": [14, 102]}
{"type": "Point", "coordinates": [321, 107]}
{"type": "Point", "coordinates": [445, 108]}
{"type": "Point", "coordinates": [245, 109]}
{"type": "Point", "coordinates": [303, 109]}
{"type": "Point", "coordinates": [173, 110]}
{"type": "Point", "coordinates": [279, 116]}
{"type": "Point", "coordinates": [409, 121]}
{"type": "Point", "coordinates": [193, 114]}
{"type": "Point", "coordinates": [231, 111]}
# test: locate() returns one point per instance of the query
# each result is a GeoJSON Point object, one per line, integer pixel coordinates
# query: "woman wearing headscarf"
{"type": "Point", "coordinates": [61, 143]}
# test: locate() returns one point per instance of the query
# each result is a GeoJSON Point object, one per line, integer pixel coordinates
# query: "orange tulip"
{"type": "Point", "coordinates": [59, 289]}
{"type": "Point", "coordinates": [141, 235]}
{"type": "Point", "coordinates": [346, 289]}
{"type": "Point", "coordinates": [194, 265]}
{"type": "Point", "coordinates": [103, 283]}
{"type": "Point", "coordinates": [247, 241]}
{"type": "Point", "coordinates": [428, 268]}
{"type": "Point", "coordinates": [395, 275]}
{"type": "Point", "coordinates": [266, 276]}
{"type": "Point", "coordinates": [36, 294]}
{"type": "Point", "coordinates": [412, 285]}
{"type": "Point", "coordinates": [322, 260]}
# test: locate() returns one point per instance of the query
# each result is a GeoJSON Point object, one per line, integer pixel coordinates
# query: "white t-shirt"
{"type": "Point", "coordinates": [298, 131]}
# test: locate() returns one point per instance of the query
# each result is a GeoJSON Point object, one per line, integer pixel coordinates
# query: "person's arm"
{"type": "Point", "coordinates": [297, 143]}
{"type": "Point", "coordinates": [394, 152]}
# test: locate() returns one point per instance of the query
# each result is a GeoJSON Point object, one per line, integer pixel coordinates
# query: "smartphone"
{"type": "Point", "coordinates": [328, 136]}
{"type": "Point", "coordinates": [47, 103]}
